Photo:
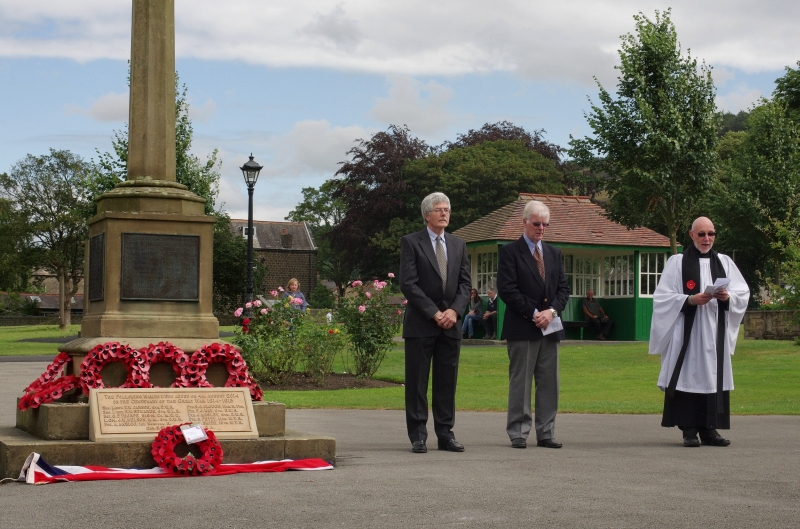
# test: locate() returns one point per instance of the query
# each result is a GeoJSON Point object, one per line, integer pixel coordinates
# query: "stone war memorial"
{"type": "Point", "coordinates": [149, 354]}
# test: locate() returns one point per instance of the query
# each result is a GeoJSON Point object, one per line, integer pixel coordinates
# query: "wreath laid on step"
{"type": "Point", "coordinates": [238, 375]}
{"type": "Point", "coordinates": [163, 451]}
{"type": "Point", "coordinates": [107, 353]}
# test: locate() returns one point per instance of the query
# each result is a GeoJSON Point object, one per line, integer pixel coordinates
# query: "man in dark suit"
{"type": "Point", "coordinates": [435, 278]}
{"type": "Point", "coordinates": [532, 284]}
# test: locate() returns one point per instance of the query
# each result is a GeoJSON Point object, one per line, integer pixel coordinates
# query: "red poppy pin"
{"type": "Point", "coordinates": [691, 284]}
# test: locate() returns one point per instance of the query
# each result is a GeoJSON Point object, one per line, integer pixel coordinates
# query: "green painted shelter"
{"type": "Point", "coordinates": [621, 265]}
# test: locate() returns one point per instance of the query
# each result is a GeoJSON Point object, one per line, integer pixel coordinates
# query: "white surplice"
{"type": "Point", "coordinates": [699, 371]}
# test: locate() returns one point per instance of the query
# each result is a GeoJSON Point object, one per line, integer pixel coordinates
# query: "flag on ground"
{"type": "Point", "coordinates": [37, 471]}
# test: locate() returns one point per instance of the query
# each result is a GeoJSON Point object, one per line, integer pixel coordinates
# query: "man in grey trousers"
{"type": "Point", "coordinates": [532, 284]}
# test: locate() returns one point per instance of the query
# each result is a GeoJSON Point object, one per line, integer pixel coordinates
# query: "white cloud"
{"type": "Point", "coordinates": [740, 98]}
{"type": "Point", "coordinates": [722, 76]}
{"type": "Point", "coordinates": [110, 107]}
{"type": "Point", "coordinates": [422, 107]}
{"type": "Point", "coordinates": [306, 156]}
{"type": "Point", "coordinates": [567, 41]}
{"type": "Point", "coordinates": [203, 113]}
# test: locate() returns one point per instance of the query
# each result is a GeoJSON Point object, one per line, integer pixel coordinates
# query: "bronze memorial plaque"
{"type": "Point", "coordinates": [135, 414]}
{"type": "Point", "coordinates": [160, 267]}
{"type": "Point", "coordinates": [97, 265]}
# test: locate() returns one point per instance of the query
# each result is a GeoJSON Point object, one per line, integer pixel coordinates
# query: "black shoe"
{"type": "Point", "coordinates": [713, 438]}
{"type": "Point", "coordinates": [548, 443]}
{"type": "Point", "coordinates": [519, 442]}
{"type": "Point", "coordinates": [418, 447]}
{"type": "Point", "coordinates": [451, 445]}
{"type": "Point", "coordinates": [690, 439]}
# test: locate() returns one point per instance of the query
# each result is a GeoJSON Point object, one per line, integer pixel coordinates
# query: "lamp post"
{"type": "Point", "coordinates": [250, 172]}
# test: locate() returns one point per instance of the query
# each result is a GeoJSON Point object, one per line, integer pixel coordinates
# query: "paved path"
{"type": "Point", "coordinates": [621, 471]}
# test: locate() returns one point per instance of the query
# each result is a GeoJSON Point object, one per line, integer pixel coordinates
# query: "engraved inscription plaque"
{"type": "Point", "coordinates": [160, 267]}
{"type": "Point", "coordinates": [139, 414]}
{"type": "Point", "coordinates": [97, 266]}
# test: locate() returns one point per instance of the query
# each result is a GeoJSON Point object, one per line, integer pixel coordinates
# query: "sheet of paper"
{"type": "Point", "coordinates": [720, 284]}
{"type": "Point", "coordinates": [555, 324]}
{"type": "Point", "coordinates": [193, 433]}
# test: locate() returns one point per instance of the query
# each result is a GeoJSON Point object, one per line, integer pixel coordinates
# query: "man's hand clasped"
{"type": "Point", "coordinates": [543, 318]}
{"type": "Point", "coordinates": [446, 319]}
{"type": "Point", "coordinates": [702, 299]}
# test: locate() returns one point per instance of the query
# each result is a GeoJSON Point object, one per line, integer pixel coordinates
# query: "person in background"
{"type": "Point", "coordinates": [490, 316]}
{"type": "Point", "coordinates": [293, 290]}
{"type": "Point", "coordinates": [474, 315]}
{"type": "Point", "coordinates": [596, 316]}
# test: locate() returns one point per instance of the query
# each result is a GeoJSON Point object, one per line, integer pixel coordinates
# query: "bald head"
{"type": "Point", "coordinates": [703, 234]}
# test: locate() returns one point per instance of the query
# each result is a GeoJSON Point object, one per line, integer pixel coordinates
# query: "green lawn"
{"type": "Point", "coordinates": [595, 377]}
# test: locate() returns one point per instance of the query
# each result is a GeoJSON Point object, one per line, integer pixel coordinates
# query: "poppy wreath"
{"type": "Point", "coordinates": [163, 352]}
{"type": "Point", "coordinates": [49, 391]}
{"type": "Point", "coordinates": [109, 352]}
{"type": "Point", "coordinates": [163, 451]}
{"type": "Point", "coordinates": [238, 375]}
{"type": "Point", "coordinates": [52, 371]}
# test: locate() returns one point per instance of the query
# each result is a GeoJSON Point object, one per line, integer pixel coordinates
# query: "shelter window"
{"type": "Point", "coordinates": [618, 275]}
{"type": "Point", "coordinates": [583, 273]}
{"type": "Point", "coordinates": [486, 276]}
{"type": "Point", "coordinates": [650, 267]}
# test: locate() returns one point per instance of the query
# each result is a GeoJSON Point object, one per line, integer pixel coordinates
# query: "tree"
{"type": "Point", "coordinates": [323, 211]}
{"type": "Point", "coordinates": [372, 188]}
{"type": "Point", "coordinates": [655, 143]}
{"type": "Point", "coordinates": [787, 89]}
{"type": "Point", "coordinates": [50, 192]}
{"type": "Point", "coordinates": [505, 130]}
{"type": "Point", "coordinates": [729, 122]}
{"type": "Point", "coordinates": [16, 247]}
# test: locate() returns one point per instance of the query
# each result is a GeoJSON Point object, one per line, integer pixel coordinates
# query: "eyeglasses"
{"type": "Point", "coordinates": [439, 211]}
{"type": "Point", "coordinates": [537, 224]}
{"type": "Point", "coordinates": [710, 234]}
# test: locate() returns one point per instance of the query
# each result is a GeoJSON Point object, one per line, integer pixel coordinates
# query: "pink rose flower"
{"type": "Point", "coordinates": [281, 289]}
{"type": "Point", "coordinates": [257, 303]}
{"type": "Point", "coordinates": [399, 311]}
{"type": "Point", "coordinates": [357, 283]}
{"type": "Point", "coordinates": [273, 293]}
{"type": "Point", "coordinates": [238, 312]}
{"type": "Point", "coordinates": [296, 301]}
{"type": "Point", "coordinates": [368, 294]}
{"type": "Point", "coordinates": [361, 308]}
{"type": "Point", "coordinates": [248, 305]}
{"type": "Point", "coordinates": [391, 275]}
{"type": "Point", "coordinates": [264, 310]}
{"type": "Point", "coordinates": [405, 302]}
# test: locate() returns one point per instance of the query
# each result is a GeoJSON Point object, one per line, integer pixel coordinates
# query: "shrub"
{"type": "Point", "coordinates": [370, 323]}
{"type": "Point", "coordinates": [321, 343]}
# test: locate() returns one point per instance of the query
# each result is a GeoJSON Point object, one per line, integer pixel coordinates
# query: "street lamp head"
{"type": "Point", "coordinates": [250, 171]}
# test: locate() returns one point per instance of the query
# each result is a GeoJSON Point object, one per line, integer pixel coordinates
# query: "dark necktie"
{"type": "Point", "coordinates": [537, 256]}
{"type": "Point", "coordinates": [441, 259]}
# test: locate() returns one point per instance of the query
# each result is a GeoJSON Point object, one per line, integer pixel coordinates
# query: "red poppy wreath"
{"type": "Point", "coordinates": [164, 352]}
{"type": "Point", "coordinates": [109, 352]}
{"type": "Point", "coordinates": [163, 451]}
{"type": "Point", "coordinates": [238, 375]}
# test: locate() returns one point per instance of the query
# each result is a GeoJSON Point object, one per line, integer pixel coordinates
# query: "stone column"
{"type": "Point", "coordinates": [150, 254]}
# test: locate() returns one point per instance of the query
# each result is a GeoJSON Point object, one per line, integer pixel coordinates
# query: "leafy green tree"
{"type": "Point", "coordinates": [323, 211]}
{"type": "Point", "coordinates": [729, 122]}
{"type": "Point", "coordinates": [17, 255]}
{"type": "Point", "coordinates": [50, 192]}
{"type": "Point", "coordinates": [655, 142]}
{"type": "Point", "coordinates": [787, 89]}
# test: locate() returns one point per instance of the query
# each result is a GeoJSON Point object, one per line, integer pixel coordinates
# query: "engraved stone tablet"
{"type": "Point", "coordinates": [160, 267]}
{"type": "Point", "coordinates": [97, 264]}
{"type": "Point", "coordinates": [117, 414]}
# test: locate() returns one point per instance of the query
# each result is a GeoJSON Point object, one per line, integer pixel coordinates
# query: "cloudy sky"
{"type": "Point", "coordinates": [296, 82]}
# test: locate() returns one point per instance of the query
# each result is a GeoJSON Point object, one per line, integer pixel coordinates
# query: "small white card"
{"type": "Point", "coordinates": [720, 284]}
{"type": "Point", "coordinates": [555, 324]}
{"type": "Point", "coordinates": [193, 433]}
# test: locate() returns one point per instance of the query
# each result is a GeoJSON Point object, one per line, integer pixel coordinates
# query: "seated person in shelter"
{"type": "Point", "coordinates": [490, 316]}
{"type": "Point", "coordinates": [474, 315]}
{"type": "Point", "coordinates": [596, 316]}
{"type": "Point", "coordinates": [293, 290]}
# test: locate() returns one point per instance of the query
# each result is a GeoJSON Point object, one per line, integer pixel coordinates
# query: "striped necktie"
{"type": "Point", "coordinates": [441, 259]}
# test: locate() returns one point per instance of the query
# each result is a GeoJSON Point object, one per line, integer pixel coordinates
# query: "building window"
{"type": "Point", "coordinates": [650, 267]}
{"type": "Point", "coordinates": [618, 275]}
{"type": "Point", "coordinates": [486, 271]}
{"type": "Point", "coordinates": [583, 273]}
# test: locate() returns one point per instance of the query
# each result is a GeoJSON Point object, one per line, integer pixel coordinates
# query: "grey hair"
{"type": "Point", "coordinates": [534, 208]}
{"type": "Point", "coordinates": [431, 200]}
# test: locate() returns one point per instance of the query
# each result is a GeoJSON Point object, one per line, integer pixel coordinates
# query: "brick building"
{"type": "Point", "coordinates": [287, 249]}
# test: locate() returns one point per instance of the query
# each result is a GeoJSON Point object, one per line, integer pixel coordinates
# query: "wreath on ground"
{"type": "Point", "coordinates": [163, 451]}
{"type": "Point", "coordinates": [190, 371]}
